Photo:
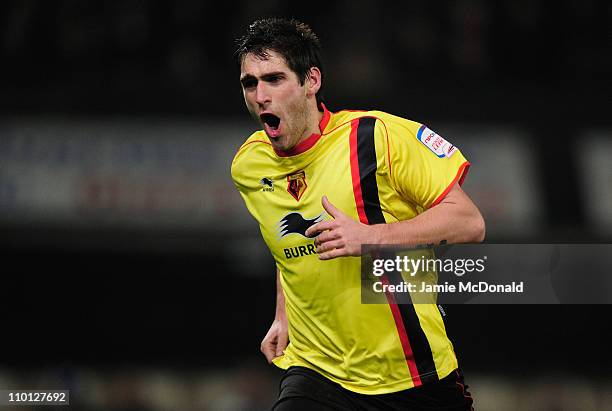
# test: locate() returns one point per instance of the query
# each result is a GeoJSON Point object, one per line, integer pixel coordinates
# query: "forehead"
{"type": "Point", "coordinates": [256, 66]}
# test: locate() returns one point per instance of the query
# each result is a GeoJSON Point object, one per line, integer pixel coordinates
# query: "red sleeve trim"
{"type": "Point", "coordinates": [461, 174]}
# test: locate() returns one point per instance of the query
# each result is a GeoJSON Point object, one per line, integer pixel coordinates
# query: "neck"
{"type": "Point", "coordinates": [311, 134]}
{"type": "Point", "coordinates": [312, 123]}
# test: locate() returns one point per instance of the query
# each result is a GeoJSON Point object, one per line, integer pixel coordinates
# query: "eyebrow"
{"type": "Point", "coordinates": [247, 77]}
{"type": "Point", "coordinates": [269, 76]}
{"type": "Point", "coordinates": [264, 77]}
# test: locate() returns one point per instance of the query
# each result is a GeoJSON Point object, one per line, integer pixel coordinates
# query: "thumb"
{"type": "Point", "coordinates": [330, 208]}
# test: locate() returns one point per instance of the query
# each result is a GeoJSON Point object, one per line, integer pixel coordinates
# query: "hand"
{"type": "Point", "coordinates": [341, 236]}
{"type": "Point", "coordinates": [276, 340]}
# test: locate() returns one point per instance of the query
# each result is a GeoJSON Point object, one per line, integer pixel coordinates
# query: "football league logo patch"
{"type": "Point", "coordinates": [297, 184]}
{"type": "Point", "coordinates": [435, 143]}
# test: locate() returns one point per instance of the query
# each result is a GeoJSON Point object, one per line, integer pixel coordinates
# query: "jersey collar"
{"type": "Point", "coordinates": [306, 144]}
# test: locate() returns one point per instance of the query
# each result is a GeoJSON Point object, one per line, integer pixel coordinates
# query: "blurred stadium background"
{"type": "Point", "coordinates": [131, 272]}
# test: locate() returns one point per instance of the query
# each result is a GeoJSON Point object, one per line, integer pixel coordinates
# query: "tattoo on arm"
{"type": "Point", "coordinates": [442, 242]}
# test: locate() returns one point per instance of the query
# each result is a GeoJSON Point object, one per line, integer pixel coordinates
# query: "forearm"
{"type": "Point", "coordinates": [280, 299]}
{"type": "Point", "coordinates": [275, 341]}
{"type": "Point", "coordinates": [445, 223]}
{"type": "Point", "coordinates": [455, 220]}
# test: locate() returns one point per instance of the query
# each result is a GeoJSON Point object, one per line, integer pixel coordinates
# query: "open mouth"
{"type": "Point", "coordinates": [270, 120]}
{"type": "Point", "coordinates": [271, 124]}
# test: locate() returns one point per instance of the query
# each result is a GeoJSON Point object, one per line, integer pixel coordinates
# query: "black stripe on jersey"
{"type": "Point", "coordinates": [421, 350]}
{"type": "Point", "coordinates": [366, 157]}
{"type": "Point", "coordinates": [366, 154]}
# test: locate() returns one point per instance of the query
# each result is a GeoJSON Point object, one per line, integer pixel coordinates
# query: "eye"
{"type": "Point", "coordinates": [274, 79]}
{"type": "Point", "coordinates": [249, 84]}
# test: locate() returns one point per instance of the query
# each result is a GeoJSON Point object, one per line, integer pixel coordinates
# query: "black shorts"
{"type": "Point", "coordinates": [304, 389]}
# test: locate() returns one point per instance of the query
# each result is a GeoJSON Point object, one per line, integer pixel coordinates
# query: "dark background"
{"type": "Point", "coordinates": [89, 296]}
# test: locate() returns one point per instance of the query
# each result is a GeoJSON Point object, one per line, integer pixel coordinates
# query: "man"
{"type": "Point", "coordinates": [321, 184]}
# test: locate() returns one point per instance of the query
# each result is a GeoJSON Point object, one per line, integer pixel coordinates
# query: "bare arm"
{"type": "Point", "coordinates": [454, 220]}
{"type": "Point", "coordinates": [276, 340]}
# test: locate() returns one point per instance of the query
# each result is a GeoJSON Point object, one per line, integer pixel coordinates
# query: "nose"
{"type": "Point", "coordinates": [261, 94]}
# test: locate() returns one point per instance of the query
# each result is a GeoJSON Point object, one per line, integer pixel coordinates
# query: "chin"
{"type": "Point", "coordinates": [281, 148]}
{"type": "Point", "coordinates": [279, 143]}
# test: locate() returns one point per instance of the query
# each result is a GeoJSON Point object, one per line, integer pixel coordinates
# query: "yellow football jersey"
{"type": "Point", "coordinates": [376, 168]}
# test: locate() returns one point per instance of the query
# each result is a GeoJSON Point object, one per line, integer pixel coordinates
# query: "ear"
{"type": "Point", "coordinates": [313, 81]}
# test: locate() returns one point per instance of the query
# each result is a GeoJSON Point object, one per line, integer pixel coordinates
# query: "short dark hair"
{"type": "Point", "coordinates": [292, 39]}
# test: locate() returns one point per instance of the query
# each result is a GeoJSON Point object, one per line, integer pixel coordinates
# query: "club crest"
{"type": "Point", "coordinates": [297, 184]}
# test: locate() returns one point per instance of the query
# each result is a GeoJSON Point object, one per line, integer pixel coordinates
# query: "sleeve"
{"type": "Point", "coordinates": [423, 165]}
{"type": "Point", "coordinates": [239, 168]}
{"type": "Point", "coordinates": [237, 176]}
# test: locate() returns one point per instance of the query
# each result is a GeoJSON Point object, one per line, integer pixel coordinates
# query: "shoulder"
{"type": "Point", "coordinates": [395, 126]}
{"type": "Point", "coordinates": [253, 150]}
{"type": "Point", "coordinates": [387, 125]}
